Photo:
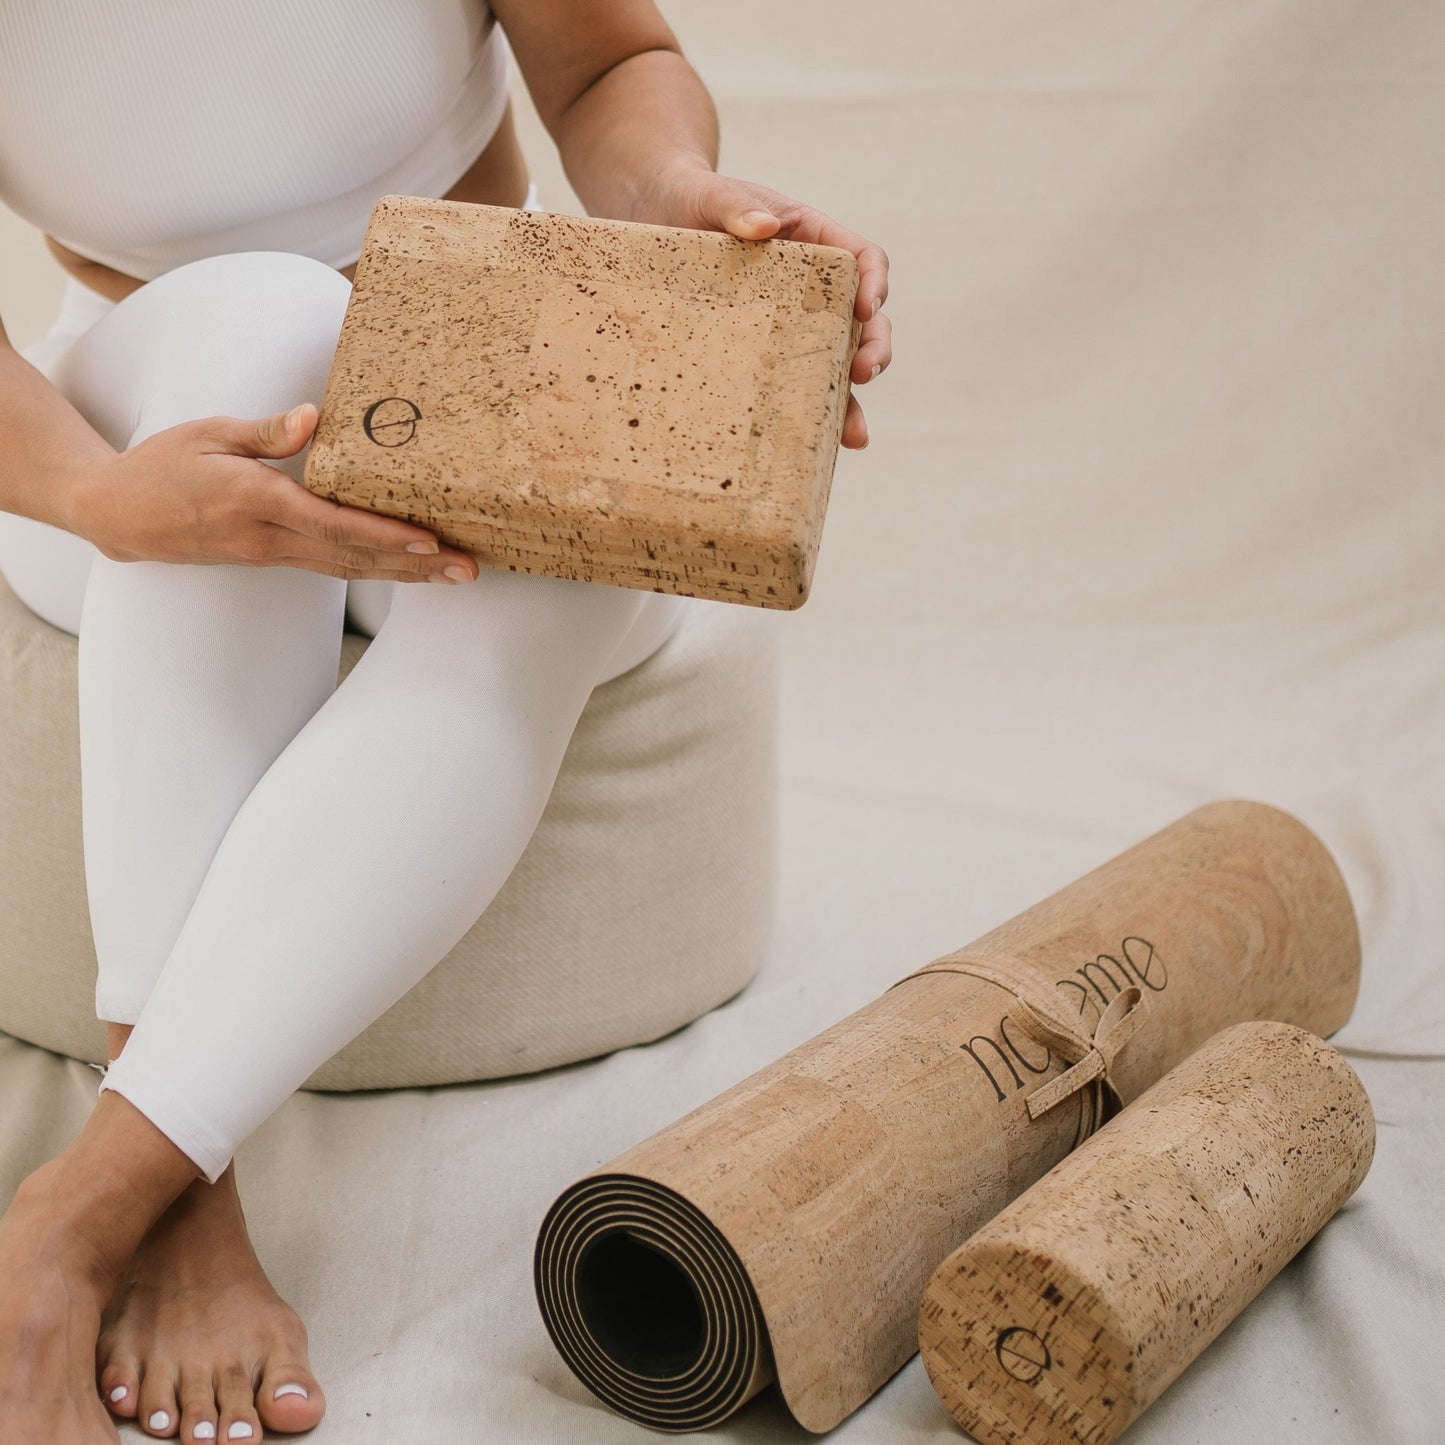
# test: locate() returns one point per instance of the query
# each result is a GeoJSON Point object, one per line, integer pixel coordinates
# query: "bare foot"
{"type": "Point", "coordinates": [195, 1342]}
{"type": "Point", "coordinates": [52, 1287]}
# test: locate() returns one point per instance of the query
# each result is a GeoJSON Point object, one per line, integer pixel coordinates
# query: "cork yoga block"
{"type": "Point", "coordinates": [599, 400]}
{"type": "Point", "coordinates": [1065, 1317]}
{"type": "Point", "coordinates": [786, 1230]}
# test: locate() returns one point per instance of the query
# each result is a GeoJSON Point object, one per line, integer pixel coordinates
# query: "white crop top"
{"type": "Point", "coordinates": [148, 133]}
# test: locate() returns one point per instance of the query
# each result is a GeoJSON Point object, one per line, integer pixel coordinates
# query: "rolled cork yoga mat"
{"type": "Point", "coordinates": [1070, 1313]}
{"type": "Point", "coordinates": [599, 400]}
{"type": "Point", "coordinates": [786, 1230]}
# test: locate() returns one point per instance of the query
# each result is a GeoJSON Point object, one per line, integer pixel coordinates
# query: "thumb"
{"type": "Point", "coordinates": [282, 434]}
{"type": "Point", "coordinates": [733, 207]}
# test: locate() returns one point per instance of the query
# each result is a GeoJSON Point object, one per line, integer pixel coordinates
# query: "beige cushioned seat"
{"type": "Point", "coordinates": [645, 897]}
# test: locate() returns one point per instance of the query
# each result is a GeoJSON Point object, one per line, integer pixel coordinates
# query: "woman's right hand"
{"type": "Point", "coordinates": [197, 493]}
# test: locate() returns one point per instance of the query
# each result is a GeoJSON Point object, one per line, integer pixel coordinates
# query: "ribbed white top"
{"type": "Point", "coordinates": [148, 133]}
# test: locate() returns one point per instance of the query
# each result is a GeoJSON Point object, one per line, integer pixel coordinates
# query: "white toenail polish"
{"type": "Point", "coordinates": [239, 1431]}
{"type": "Point", "coordinates": [291, 1390]}
{"type": "Point", "coordinates": [118, 1393]}
{"type": "Point", "coordinates": [159, 1420]}
{"type": "Point", "coordinates": [204, 1431]}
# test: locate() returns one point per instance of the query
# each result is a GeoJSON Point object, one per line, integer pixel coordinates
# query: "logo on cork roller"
{"type": "Point", "coordinates": [1022, 1354]}
{"type": "Point", "coordinates": [391, 422]}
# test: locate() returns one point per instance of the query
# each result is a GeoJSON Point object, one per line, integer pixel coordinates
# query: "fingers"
{"type": "Point", "coordinates": [872, 259]}
{"type": "Point", "coordinates": [737, 208]}
{"type": "Point", "coordinates": [872, 281]}
{"type": "Point", "coordinates": [279, 546]}
{"type": "Point", "coordinates": [280, 435]}
{"type": "Point", "coordinates": [754, 213]}
{"type": "Point", "coordinates": [872, 266]}
{"type": "Point", "coordinates": [355, 565]}
{"type": "Point", "coordinates": [875, 351]}
{"type": "Point", "coordinates": [312, 529]}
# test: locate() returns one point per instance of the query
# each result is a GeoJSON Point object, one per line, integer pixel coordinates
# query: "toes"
{"type": "Point", "coordinates": [120, 1388]}
{"type": "Point", "coordinates": [236, 1396]}
{"type": "Point", "coordinates": [289, 1398]}
{"type": "Point", "coordinates": [199, 1412]}
{"type": "Point", "coordinates": [158, 1414]}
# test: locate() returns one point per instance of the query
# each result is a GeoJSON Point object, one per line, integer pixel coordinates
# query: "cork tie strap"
{"type": "Point", "coordinates": [1090, 1059]}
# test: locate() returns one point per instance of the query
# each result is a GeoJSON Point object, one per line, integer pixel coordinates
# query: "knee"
{"type": "Point", "coordinates": [256, 331]}
{"type": "Point", "coordinates": [275, 301]}
{"type": "Point", "coordinates": [255, 278]}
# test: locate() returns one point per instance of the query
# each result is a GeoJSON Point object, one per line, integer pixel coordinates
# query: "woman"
{"type": "Point", "coordinates": [266, 865]}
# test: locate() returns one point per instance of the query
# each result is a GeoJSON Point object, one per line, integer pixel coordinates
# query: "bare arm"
{"type": "Point", "coordinates": [47, 443]}
{"type": "Point", "coordinates": [613, 89]}
{"type": "Point", "coordinates": [196, 493]}
{"type": "Point", "coordinates": [638, 136]}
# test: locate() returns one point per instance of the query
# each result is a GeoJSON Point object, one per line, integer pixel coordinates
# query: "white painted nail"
{"type": "Point", "coordinates": [291, 1390]}
{"type": "Point", "coordinates": [159, 1420]}
{"type": "Point", "coordinates": [204, 1431]}
{"type": "Point", "coordinates": [241, 1430]}
{"type": "Point", "coordinates": [119, 1393]}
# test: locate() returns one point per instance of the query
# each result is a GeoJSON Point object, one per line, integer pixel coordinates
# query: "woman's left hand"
{"type": "Point", "coordinates": [703, 200]}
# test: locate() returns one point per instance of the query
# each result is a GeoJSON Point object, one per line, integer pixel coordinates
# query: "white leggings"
{"type": "Point", "coordinates": [272, 860]}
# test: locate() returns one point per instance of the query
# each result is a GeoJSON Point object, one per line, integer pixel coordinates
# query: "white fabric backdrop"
{"type": "Point", "coordinates": [1153, 515]}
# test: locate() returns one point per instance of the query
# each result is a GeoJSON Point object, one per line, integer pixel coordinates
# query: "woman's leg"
{"type": "Point", "coordinates": [192, 680]}
{"type": "Point", "coordinates": [524, 664]}
{"type": "Point", "coordinates": [369, 848]}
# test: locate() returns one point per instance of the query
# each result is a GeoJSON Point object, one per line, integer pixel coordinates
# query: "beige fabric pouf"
{"type": "Point", "coordinates": [645, 897]}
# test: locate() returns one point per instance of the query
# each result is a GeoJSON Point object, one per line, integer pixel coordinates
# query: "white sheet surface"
{"type": "Point", "coordinates": [1153, 515]}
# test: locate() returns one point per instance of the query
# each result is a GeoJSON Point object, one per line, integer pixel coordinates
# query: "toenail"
{"type": "Point", "coordinates": [239, 1431]}
{"type": "Point", "coordinates": [204, 1431]}
{"type": "Point", "coordinates": [159, 1420]}
{"type": "Point", "coordinates": [291, 1390]}
{"type": "Point", "coordinates": [119, 1393]}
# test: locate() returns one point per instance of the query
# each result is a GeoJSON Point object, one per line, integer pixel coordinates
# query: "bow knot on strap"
{"type": "Point", "coordinates": [1090, 1059]}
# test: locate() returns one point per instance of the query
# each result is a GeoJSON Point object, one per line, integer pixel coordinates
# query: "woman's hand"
{"type": "Point", "coordinates": [197, 493]}
{"type": "Point", "coordinates": [692, 195]}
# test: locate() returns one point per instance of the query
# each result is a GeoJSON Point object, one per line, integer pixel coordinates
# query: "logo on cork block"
{"type": "Point", "coordinates": [1022, 1354]}
{"type": "Point", "coordinates": [391, 422]}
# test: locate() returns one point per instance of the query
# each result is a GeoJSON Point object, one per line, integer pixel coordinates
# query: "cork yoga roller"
{"type": "Point", "coordinates": [1065, 1317]}
{"type": "Point", "coordinates": [637, 405]}
{"type": "Point", "coordinates": [787, 1229]}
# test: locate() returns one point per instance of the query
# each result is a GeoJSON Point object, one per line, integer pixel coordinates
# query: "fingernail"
{"type": "Point", "coordinates": [294, 415]}
{"type": "Point", "coordinates": [290, 1390]}
{"type": "Point", "coordinates": [204, 1431]}
{"type": "Point", "coordinates": [758, 218]}
{"type": "Point", "coordinates": [458, 574]}
{"type": "Point", "coordinates": [159, 1420]}
{"type": "Point", "coordinates": [877, 304]}
{"type": "Point", "coordinates": [241, 1430]}
{"type": "Point", "coordinates": [119, 1393]}
{"type": "Point", "coordinates": [444, 581]}
{"type": "Point", "coordinates": [877, 367]}
{"type": "Point", "coordinates": [430, 547]}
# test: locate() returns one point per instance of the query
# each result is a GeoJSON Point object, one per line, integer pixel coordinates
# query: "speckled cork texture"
{"type": "Point", "coordinates": [786, 1230]}
{"type": "Point", "coordinates": [1064, 1318]}
{"type": "Point", "coordinates": [637, 405]}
